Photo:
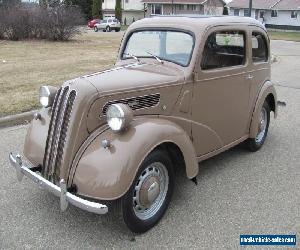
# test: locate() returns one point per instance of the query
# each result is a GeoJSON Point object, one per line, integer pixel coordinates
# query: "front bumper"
{"type": "Point", "coordinates": [65, 196]}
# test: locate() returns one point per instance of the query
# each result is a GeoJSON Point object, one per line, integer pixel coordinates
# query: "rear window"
{"type": "Point", "coordinates": [224, 49]}
{"type": "Point", "coordinates": [259, 47]}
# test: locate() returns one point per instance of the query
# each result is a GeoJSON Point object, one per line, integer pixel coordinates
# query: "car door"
{"type": "Point", "coordinates": [260, 48]}
{"type": "Point", "coordinates": [221, 89]}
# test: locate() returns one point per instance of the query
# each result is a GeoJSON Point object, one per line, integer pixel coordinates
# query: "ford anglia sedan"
{"type": "Point", "coordinates": [182, 90]}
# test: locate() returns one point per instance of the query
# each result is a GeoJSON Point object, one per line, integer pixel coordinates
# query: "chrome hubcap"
{"type": "Point", "coordinates": [150, 190]}
{"type": "Point", "coordinates": [262, 126]}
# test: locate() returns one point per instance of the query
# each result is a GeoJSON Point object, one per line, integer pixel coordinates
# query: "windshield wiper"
{"type": "Point", "coordinates": [156, 57]}
{"type": "Point", "coordinates": [132, 56]}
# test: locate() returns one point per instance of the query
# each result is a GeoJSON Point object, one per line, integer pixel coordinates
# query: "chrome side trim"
{"type": "Point", "coordinates": [65, 197]}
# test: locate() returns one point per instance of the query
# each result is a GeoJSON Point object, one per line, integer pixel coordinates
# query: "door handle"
{"type": "Point", "coordinates": [249, 77]}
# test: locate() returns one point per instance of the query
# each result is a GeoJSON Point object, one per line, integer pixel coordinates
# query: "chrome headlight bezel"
{"type": "Point", "coordinates": [118, 116]}
{"type": "Point", "coordinates": [47, 95]}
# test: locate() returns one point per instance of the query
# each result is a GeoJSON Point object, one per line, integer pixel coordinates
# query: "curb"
{"type": "Point", "coordinates": [17, 119]}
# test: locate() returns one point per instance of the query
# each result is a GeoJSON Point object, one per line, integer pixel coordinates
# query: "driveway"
{"type": "Point", "coordinates": [237, 193]}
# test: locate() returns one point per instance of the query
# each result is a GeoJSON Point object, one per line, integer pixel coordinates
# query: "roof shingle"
{"type": "Point", "coordinates": [256, 4]}
{"type": "Point", "coordinates": [267, 4]}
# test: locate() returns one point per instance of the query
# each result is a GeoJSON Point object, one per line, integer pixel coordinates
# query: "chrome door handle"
{"type": "Point", "coordinates": [249, 76]}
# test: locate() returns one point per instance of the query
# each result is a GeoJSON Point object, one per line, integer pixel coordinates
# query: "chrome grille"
{"type": "Point", "coordinates": [136, 103]}
{"type": "Point", "coordinates": [60, 117]}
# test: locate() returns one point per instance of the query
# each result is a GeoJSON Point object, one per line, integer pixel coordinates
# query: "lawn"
{"type": "Point", "coordinates": [281, 35]}
{"type": "Point", "coordinates": [26, 65]}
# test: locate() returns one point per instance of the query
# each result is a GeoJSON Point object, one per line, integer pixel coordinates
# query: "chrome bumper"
{"type": "Point", "coordinates": [65, 197]}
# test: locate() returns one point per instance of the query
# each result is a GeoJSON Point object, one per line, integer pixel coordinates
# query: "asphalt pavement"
{"type": "Point", "coordinates": [238, 192]}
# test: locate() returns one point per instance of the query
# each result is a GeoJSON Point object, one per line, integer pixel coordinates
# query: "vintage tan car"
{"type": "Point", "coordinates": [182, 90]}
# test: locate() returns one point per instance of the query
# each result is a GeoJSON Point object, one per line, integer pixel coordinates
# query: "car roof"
{"type": "Point", "coordinates": [195, 23]}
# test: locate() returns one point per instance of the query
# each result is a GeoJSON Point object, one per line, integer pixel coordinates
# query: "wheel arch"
{"type": "Point", "coordinates": [175, 154]}
{"type": "Point", "coordinates": [271, 101]}
{"type": "Point", "coordinates": [267, 93]}
{"type": "Point", "coordinates": [107, 173]}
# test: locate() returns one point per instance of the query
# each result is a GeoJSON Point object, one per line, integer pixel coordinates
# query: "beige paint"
{"type": "Point", "coordinates": [120, 162]}
{"type": "Point", "coordinates": [202, 112]}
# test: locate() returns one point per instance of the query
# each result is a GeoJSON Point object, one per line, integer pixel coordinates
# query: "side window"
{"type": "Point", "coordinates": [236, 12]}
{"type": "Point", "coordinates": [224, 49]}
{"type": "Point", "coordinates": [259, 48]}
{"type": "Point", "coordinates": [274, 13]}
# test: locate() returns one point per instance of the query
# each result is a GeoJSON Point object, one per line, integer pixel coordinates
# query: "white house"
{"type": "Point", "coordinates": [132, 10]}
{"type": "Point", "coordinates": [280, 14]}
{"type": "Point", "coordinates": [177, 7]}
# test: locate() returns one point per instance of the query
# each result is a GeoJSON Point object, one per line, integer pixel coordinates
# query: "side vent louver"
{"type": "Point", "coordinates": [136, 103]}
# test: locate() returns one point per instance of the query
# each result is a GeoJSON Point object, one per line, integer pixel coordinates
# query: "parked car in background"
{"type": "Point", "coordinates": [107, 25]}
{"type": "Point", "coordinates": [91, 24]}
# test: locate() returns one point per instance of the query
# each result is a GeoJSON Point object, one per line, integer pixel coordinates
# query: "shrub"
{"type": "Point", "coordinates": [97, 9]}
{"type": "Point", "coordinates": [59, 23]}
{"type": "Point", "coordinates": [118, 10]}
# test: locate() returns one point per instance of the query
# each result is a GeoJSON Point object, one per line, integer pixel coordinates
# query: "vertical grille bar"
{"type": "Point", "coordinates": [63, 134]}
{"type": "Point", "coordinates": [60, 117]}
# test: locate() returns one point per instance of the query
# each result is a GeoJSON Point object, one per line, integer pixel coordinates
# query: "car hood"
{"type": "Point", "coordinates": [134, 77]}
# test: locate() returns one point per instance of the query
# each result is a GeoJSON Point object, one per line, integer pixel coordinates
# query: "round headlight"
{"type": "Point", "coordinates": [118, 116]}
{"type": "Point", "coordinates": [47, 94]}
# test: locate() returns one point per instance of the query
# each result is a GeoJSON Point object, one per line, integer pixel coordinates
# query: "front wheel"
{"type": "Point", "coordinates": [108, 29]}
{"type": "Point", "coordinates": [256, 143]}
{"type": "Point", "coordinates": [149, 195]}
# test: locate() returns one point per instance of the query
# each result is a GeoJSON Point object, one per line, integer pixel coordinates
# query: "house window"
{"type": "Point", "coordinates": [179, 6]}
{"type": "Point", "coordinates": [224, 49]}
{"type": "Point", "coordinates": [259, 48]}
{"type": "Point", "coordinates": [236, 12]}
{"type": "Point", "coordinates": [274, 13]}
{"type": "Point", "coordinates": [294, 14]}
{"type": "Point", "coordinates": [261, 14]}
{"type": "Point", "coordinates": [191, 7]}
{"type": "Point", "coordinates": [156, 9]}
{"type": "Point", "coordinates": [246, 12]}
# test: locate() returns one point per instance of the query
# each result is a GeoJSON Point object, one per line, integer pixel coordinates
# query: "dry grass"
{"type": "Point", "coordinates": [282, 35]}
{"type": "Point", "coordinates": [25, 66]}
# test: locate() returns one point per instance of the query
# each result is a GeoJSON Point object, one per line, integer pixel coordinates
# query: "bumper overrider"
{"type": "Point", "coordinates": [60, 191]}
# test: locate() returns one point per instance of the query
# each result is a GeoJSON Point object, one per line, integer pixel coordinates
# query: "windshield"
{"type": "Point", "coordinates": [173, 46]}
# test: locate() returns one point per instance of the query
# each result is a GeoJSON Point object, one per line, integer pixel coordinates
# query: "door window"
{"type": "Point", "coordinates": [224, 49]}
{"type": "Point", "coordinates": [259, 48]}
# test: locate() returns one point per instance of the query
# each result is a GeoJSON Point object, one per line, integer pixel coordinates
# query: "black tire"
{"type": "Point", "coordinates": [96, 29]}
{"type": "Point", "coordinates": [253, 144]}
{"type": "Point", "coordinates": [133, 222]}
{"type": "Point", "coordinates": [108, 29]}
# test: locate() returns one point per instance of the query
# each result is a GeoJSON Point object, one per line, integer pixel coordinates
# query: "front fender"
{"type": "Point", "coordinates": [107, 174]}
{"type": "Point", "coordinates": [267, 89]}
